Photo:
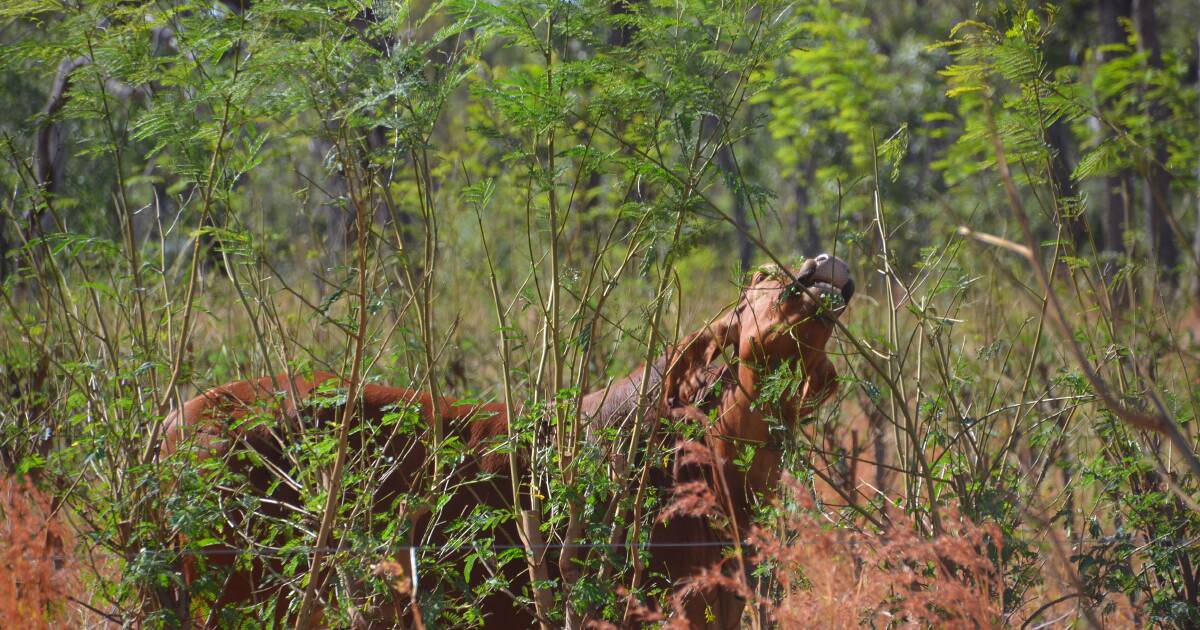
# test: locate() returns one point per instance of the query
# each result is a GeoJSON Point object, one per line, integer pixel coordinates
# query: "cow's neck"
{"type": "Point", "coordinates": [741, 426]}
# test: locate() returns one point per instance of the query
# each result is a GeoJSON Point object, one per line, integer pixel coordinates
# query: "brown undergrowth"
{"type": "Point", "coordinates": [818, 576]}
{"type": "Point", "coordinates": [837, 578]}
{"type": "Point", "coordinates": [37, 573]}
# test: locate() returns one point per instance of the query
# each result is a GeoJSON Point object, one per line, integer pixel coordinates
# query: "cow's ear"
{"type": "Point", "coordinates": [763, 273]}
{"type": "Point", "coordinates": [807, 271]}
{"type": "Point", "coordinates": [687, 362]}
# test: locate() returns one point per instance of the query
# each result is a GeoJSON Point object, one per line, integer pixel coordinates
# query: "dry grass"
{"type": "Point", "coordinates": [837, 578]}
{"type": "Point", "coordinates": [37, 573]}
{"type": "Point", "coordinates": [825, 577]}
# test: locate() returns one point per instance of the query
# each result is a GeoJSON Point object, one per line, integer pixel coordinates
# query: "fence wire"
{"type": "Point", "coordinates": [699, 544]}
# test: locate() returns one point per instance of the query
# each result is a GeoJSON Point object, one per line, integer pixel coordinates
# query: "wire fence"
{"type": "Point", "coordinates": [399, 549]}
{"type": "Point", "coordinates": [385, 550]}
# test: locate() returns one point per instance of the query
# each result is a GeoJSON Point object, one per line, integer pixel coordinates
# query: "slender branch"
{"type": "Point", "coordinates": [1160, 422]}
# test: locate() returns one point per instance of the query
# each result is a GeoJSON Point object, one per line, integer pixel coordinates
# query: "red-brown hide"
{"type": "Point", "coordinates": [781, 317]}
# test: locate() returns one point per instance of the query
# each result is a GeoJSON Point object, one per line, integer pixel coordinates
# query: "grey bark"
{"type": "Point", "coordinates": [48, 155]}
{"type": "Point", "coordinates": [5, 245]}
{"type": "Point", "coordinates": [336, 236]}
{"type": "Point", "coordinates": [733, 182]}
{"type": "Point", "coordinates": [806, 231]}
{"type": "Point", "coordinates": [1116, 184]}
{"type": "Point", "coordinates": [1060, 176]}
{"type": "Point", "coordinates": [733, 177]}
{"type": "Point", "coordinates": [1196, 233]}
{"type": "Point", "coordinates": [1064, 49]}
{"type": "Point", "coordinates": [1156, 194]}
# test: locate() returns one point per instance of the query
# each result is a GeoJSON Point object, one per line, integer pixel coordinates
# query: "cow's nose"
{"type": "Point", "coordinates": [835, 271]}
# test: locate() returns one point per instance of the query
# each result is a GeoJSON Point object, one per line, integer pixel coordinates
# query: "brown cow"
{"type": "Point", "coordinates": [233, 415]}
{"type": "Point", "coordinates": [778, 319]}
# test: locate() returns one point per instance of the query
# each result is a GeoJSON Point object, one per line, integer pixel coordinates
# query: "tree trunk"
{"type": "Point", "coordinates": [1116, 184]}
{"type": "Point", "coordinates": [1196, 234]}
{"type": "Point", "coordinates": [623, 34]}
{"type": "Point", "coordinates": [1156, 194]}
{"type": "Point", "coordinates": [733, 178]}
{"type": "Point", "coordinates": [1064, 50]}
{"type": "Point", "coordinates": [48, 154]}
{"type": "Point", "coordinates": [806, 232]}
{"type": "Point", "coordinates": [1057, 137]}
{"type": "Point", "coordinates": [337, 229]}
{"type": "Point", "coordinates": [5, 246]}
{"type": "Point", "coordinates": [733, 182]}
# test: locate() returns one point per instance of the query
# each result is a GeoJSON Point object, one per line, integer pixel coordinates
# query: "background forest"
{"type": "Point", "coordinates": [519, 200]}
